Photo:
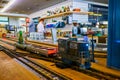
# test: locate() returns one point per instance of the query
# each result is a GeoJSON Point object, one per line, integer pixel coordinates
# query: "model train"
{"type": "Point", "coordinates": [72, 52]}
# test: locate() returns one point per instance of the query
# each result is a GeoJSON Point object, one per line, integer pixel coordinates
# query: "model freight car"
{"type": "Point", "coordinates": [45, 51]}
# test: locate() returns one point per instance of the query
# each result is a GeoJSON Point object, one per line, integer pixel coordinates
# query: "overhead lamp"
{"type": "Point", "coordinates": [7, 5]}
{"type": "Point", "coordinates": [4, 2]}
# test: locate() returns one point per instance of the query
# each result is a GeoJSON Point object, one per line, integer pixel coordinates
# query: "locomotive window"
{"type": "Point", "coordinates": [73, 45]}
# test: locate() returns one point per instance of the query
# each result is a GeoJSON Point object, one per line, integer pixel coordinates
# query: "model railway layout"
{"type": "Point", "coordinates": [59, 40]}
{"type": "Point", "coordinates": [42, 70]}
{"type": "Point", "coordinates": [91, 72]}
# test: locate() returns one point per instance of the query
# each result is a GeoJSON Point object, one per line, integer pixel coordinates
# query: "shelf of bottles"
{"type": "Point", "coordinates": [67, 13]}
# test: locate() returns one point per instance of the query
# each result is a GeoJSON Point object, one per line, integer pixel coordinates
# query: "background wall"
{"type": "Point", "coordinates": [73, 4]}
{"type": "Point", "coordinates": [14, 21]}
{"type": "Point", "coordinates": [42, 13]}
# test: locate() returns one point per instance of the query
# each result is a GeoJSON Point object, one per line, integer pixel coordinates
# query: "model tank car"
{"type": "Point", "coordinates": [45, 51]}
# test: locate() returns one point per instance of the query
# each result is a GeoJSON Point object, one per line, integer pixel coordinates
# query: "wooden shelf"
{"type": "Point", "coordinates": [81, 13]}
{"type": "Point", "coordinates": [66, 13]}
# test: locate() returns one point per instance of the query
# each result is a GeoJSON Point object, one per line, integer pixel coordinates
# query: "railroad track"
{"type": "Point", "coordinates": [7, 42]}
{"type": "Point", "coordinates": [100, 75]}
{"type": "Point", "coordinates": [97, 74]}
{"type": "Point", "coordinates": [100, 56]}
{"type": "Point", "coordinates": [39, 68]}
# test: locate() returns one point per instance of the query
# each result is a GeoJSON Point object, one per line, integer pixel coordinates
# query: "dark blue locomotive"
{"type": "Point", "coordinates": [74, 53]}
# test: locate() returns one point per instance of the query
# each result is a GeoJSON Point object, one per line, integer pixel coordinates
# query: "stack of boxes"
{"type": "Point", "coordinates": [36, 36]}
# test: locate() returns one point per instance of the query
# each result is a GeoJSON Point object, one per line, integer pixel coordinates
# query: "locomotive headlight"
{"type": "Point", "coordinates": [87, 44]}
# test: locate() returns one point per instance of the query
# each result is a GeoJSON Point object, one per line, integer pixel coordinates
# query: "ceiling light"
{"type": "Point", "coordinates": [7, 5]}
{"type": "Point", "coordinates": [28, 8]}
{"type": "Point", "coordinates": [4, 2]}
